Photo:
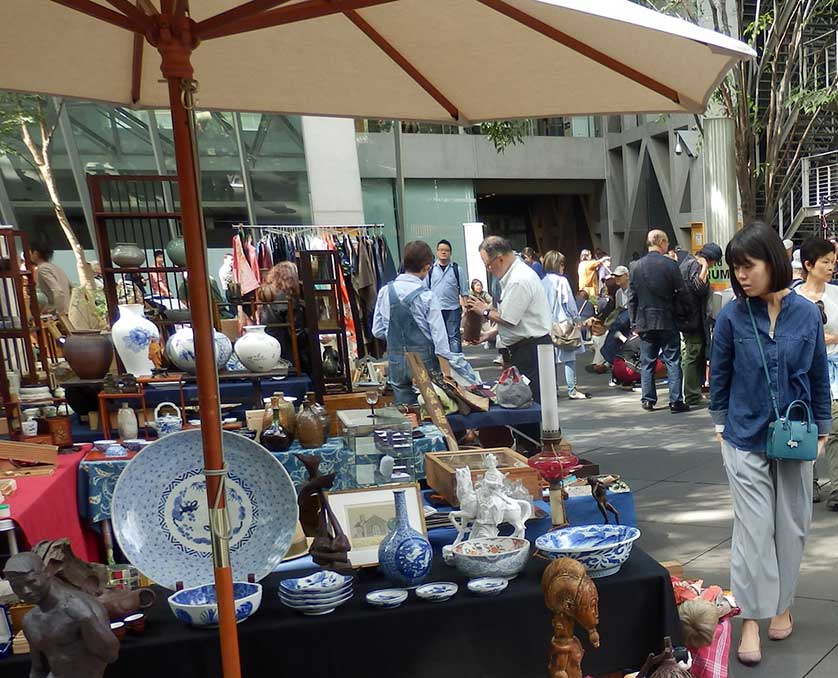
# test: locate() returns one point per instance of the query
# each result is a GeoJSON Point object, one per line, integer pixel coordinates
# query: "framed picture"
{"type": "Point", "coordinates": [365, 516]}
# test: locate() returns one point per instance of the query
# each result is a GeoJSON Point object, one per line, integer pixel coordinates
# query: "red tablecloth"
{"type": "Point", "coordinates": [45, 507]}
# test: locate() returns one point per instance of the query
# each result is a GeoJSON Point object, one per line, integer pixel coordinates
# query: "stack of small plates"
{"type": "Point", "coordinates": [30, 395]}
{"type": "Point", "coordinates": [317, 594]}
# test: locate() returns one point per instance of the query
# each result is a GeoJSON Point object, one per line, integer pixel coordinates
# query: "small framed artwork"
{"type": "Point", "coordinates": [365, 516]}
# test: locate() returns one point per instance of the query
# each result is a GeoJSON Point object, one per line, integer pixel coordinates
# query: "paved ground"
{"type": "Point", "coordinates": [684, 511]}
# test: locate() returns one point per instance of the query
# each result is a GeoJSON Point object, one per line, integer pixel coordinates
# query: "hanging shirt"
{"type": "Point", "coordinates": [443, 283]}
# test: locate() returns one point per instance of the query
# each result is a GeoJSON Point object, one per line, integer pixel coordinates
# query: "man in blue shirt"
{"type": "Point", "coordinates": [407, 314]}
{"type": "Point", "coordinates": [444, 281]}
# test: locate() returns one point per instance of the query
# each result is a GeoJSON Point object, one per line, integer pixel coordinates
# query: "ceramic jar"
{"type": "Point", "coordinates": [257, 350]}
{"type": "Point", "coordinates": [319, 410]}
{"type": "Point", "coordinates": [176, 249]}
{"type": "Point", "coordinates": [167, 423]}
{"type": "Point", "coordinates": [404, 556]}
{"type": "Point", "coordinates": [310, 430]}
{"type": "Point", "coordinates": [132, 335]}
{"type": "Point", "coordinates": [287, 414]}
{"type": "Point", "coordinates": [89, 354]}
{"type": "Point", "coordinates": [127, 254]}
{"type": "Point", "coordinates": [180, 349]}
{"type": "Point", "coordinates": [126, 423]}
{"type": "Point", "coordinates": [275, 438]}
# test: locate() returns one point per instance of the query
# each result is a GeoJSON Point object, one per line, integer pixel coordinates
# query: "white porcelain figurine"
{"type": "Point", "coordinates": [484, 508]}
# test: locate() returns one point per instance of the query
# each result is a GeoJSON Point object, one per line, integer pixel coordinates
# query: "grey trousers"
{"type": "Point", "coordinates": [831, 453]}
{"type": "Point", "coordinates": [772, 511]}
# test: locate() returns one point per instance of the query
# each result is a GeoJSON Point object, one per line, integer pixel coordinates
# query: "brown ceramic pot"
{"type": "Point", "coordinates": [310, 430]}
{"type": "Point", "coordinates": [287, 414]}
{"type": "Point", "coordinates": [472, 326]}
{"type": "Point", "coordinates": [120, 603]}
{"type": "Point", "coordinates": [90, 354]}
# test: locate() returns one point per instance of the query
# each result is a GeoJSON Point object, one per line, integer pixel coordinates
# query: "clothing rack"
{"type": "Point", "coordinates": [349, 229]}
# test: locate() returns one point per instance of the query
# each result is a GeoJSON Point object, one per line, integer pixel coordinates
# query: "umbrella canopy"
{"type": "Point", "coordinates": [431, 60]}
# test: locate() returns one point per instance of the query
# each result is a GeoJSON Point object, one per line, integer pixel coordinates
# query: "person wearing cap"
{"type": "Point", "coordinates": [695, 328]}
{"type": "Point", "coordinates": [789, 245]}
{"type": "Point", "coordinates": [621, 277]}
{"type": "Point", "coordinates": [797, 276]}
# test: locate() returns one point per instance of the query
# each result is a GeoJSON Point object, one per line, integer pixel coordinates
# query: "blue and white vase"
{"type": "Point", "coordinates": [180, 349]}
{"type": "Point", "coordinates": [132, 335]}
{"type": "Point", "coordinates": [405, 555]}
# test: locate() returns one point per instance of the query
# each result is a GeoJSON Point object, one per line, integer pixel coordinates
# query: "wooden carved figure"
{"type": "Point", "coordinates": [599, 487]}
{"type": "Point", "coordinates": [331, 546]}
{"type": "Point", "coordinates": [572, 597]}
{"type": "Point", "coordinates": [68, 631]}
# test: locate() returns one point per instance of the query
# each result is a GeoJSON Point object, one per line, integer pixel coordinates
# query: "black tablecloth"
{"type": "Point", "coordinates": [466, 636]}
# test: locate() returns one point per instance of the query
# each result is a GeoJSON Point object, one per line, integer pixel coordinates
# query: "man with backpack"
{"type": "Point", "coordinates": [693, 319]}
{"type": "Point", "coordinates": [444, 281]}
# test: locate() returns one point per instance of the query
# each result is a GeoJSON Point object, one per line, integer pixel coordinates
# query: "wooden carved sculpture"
{"type": "Point", "coordinates": [68, 631]}
{"type": "Point", "coordinates": [599, 487]}
{"type": "Point", "coordinates": [331, 545]}
{"type": "Point", "coordinates": [572, 597]}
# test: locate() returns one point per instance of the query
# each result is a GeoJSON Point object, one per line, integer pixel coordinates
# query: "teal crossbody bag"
{"type": "Point", "coordinates": [788, 439]}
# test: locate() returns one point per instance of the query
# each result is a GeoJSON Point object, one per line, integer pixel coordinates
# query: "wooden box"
{"type": "Point", "coordinates": [440, 469]}
{"type": "Point", "coordinates": [27, 459]}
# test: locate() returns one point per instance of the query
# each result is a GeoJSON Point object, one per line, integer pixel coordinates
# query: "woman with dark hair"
{"type": "Point", "coordinates": [282, 285]}
{"type": "Point", "coordinates": [533, 260]}
{"type": "Point", "coordinates": [817, 257]}
{"type": "Point", "coordinates": [563, 308]}
{"type": "Point", "coordinates": [771, 498]}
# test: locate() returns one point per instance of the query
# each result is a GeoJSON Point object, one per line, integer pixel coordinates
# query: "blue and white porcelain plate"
{"type": "Point", "coordinates": [160, 517]}
{"type": "Point", "coordinates": [488, 586]}
{"type": "Point", "coordinates": [314, 610]}
{"type": "Point", "coordinates": [319, 582]}
{"type": "Point", "coordinates": [315, 599]}
{"type": "Point", "coordinates": [387, 598]}
{"type": "Point", "coordinates": [438, 591]}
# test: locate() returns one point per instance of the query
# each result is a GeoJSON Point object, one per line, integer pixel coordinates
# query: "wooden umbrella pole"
{"type": "Point", "coordinates": [176, 46]}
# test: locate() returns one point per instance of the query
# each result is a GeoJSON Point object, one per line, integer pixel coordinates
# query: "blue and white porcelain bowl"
{"type": "Point", "coordinates": [437, 592]}
{"type": "Point", "coordinates": [134, 444]}
{"type": "Point", "coordinates": [103, 445]}
{"type": "Point", "coordinates": [197, 606]}
{"type": "Point", "coordinates": [502, 557]}
{"type": "Point", "coordinates": [488, 586]}
{"type": "Point", "coordinates": [319, 582]}
{"type": "Point", "coordinates": [387, 599]}
{"type": "Point", "coordinates": [602, 549]}
{"type": "Point", "coordinates": [315, 609]}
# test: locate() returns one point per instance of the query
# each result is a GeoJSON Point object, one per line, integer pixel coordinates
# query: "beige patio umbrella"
{"type": "Point", "coordinates": [435, 60]}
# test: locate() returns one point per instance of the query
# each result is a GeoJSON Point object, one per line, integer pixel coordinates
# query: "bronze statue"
{"type": "Point", "coordinates": [571, 596]}
{"type": "Point", "coordinates": [68, 630]}
{"type": "Point", "coordinates": [599, 488]}
{"type": "Point", "coordinates": [663, 665]}
{"type": "Point", "coordinates": [331, 546]}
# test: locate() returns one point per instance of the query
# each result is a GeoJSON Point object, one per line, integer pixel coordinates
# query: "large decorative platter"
{"type": "Point", "coordinates": [159, 510]}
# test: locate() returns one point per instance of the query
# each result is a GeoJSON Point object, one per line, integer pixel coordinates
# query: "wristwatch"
{"type": "Point", "coordinates": [486, 313]}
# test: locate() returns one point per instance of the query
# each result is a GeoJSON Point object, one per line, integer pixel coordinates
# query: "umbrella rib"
{"type": "Point", "coordinates": [235, 15]}
{"type": "Point", "coordinates": [582, 48]}
{"type": "Point", "coordinates": [403, 63]}
{"type": "Point", "coordinates": [137, 67]}
{"type": "Point", "coordinates": [131, 11]}
{"type": "Point", "coordinates": [96, 11]}
{"type": "Point", "coordinates": [301, 11]}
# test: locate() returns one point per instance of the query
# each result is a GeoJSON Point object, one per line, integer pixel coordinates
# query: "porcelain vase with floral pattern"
{"type": "Point", "coordinates": [405, 555]}
{"type": "Point", "coordinates": [257, 350]}
{"type": "Point", "coordinates": [132, 335]}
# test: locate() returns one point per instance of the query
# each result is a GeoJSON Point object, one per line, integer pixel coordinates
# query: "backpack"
{"type": "Point", "coordinates": [456, 275]}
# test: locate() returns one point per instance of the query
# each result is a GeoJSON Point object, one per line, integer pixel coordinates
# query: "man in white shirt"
{"type": "Point", "coordinates": [621, 277]}
{"type": "Point", "coordinates": [408, 316]}
{"type": "Point", "coordinates": [523, 317]}
{"type": "Point", "coordinates": [444, 281]}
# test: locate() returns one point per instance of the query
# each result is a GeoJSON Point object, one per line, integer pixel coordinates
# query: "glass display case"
{"type": "Point", "coordinates": [371, 438]}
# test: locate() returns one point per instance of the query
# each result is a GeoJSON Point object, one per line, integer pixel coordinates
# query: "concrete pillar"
{"type": "Point", "coordinates": [334, 179]}
{"type": "Point", "coordinates": [720, 187]}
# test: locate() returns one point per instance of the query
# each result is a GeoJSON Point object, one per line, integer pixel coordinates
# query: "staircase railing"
{"type": "Point", "coordinates": [814, 189]}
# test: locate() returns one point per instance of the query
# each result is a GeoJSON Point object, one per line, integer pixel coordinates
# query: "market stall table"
{"type": "Point", "coordinates": [466, 636]}
{"type": "Point", "coordinates": [496, 416]}
{"type": "Point", "coordinates": [44, 507]}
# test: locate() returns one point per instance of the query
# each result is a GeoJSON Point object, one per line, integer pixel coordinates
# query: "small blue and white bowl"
{"type": "Point", "coordinates": [602, 549]}
{"type": "Point", "coordinates": [197, 606]}
{"type": "Point", "coordinates": [103, 445]}
{"type": "Point", "coordinates": [488, 586]}
{"type": "Point", "coordinates": [134, 444]}
{"type": "Point", "coordinates": [437, 592]}
{"type": "Point", "coordinates": [116, 450]}
{"type": "Point", "coordinates": [320, 608]}
{"type": "Point", "coordinates": [387, 599]}
{"type": "Point", "coordinates": [319, 582]}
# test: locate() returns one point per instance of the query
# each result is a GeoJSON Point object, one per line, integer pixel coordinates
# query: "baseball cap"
{"type": "Point", "coordinates": [620, 270]}
{"type": "Point", "coordinates": [711, 251]}
{"type": "Point", "coordinates": [795, 260]}
{"type": "Point", "coordinates": [788, 244]}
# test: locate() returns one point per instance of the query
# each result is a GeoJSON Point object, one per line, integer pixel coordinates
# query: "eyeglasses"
{"type": "Point", "coordinates": [821, 308]}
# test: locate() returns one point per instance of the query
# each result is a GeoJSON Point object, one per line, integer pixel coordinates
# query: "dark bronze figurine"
{"type": "Point", "coordinates": [68, 630]}
{"type": "Point", "coordinates": [599, 489]}
{"type": "Point", "coordinates": [331, 546]}
{"type": "Point", "coordinates": [572, 597]}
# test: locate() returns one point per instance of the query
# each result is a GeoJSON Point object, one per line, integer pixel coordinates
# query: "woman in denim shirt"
{"type": "Point", "coordinates": [772, 500]}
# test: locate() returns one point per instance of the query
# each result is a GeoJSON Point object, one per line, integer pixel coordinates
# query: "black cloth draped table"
{"type": "Point", "coordinates": [467, 636]}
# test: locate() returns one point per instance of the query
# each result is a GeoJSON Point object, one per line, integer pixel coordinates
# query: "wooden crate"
{"type": "Point", "coordinates": [440, 469]}
{"type": "Point", "coordinates": [349, 401]}
{"type": "Point", "coordinates": [42, 457]}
